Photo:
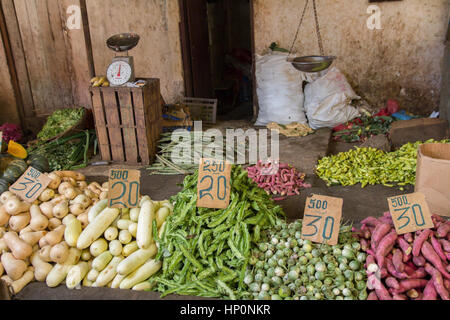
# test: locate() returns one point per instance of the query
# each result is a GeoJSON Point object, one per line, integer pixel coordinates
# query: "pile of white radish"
{"type": "Point", "coordinates": [69, 235]}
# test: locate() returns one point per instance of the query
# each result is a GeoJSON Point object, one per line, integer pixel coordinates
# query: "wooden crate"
{"type": "Point", "coordinates": [128, 122]}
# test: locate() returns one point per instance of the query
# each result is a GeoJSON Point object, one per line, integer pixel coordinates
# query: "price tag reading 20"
{"type": "Point", "coordinates": [124, 188]}
{"type": "Point", "coordinates": [410, 213]}
{"type": "Point", "coordinates": [322, 219]}
{"type": "Point", "coordinates": [213, 184]}
{"type": "Point", "coordinates": [30, 185]}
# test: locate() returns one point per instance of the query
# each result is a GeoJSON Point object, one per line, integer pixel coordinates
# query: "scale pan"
{"type": "Point", "coordinates": [123, 42]}
{"type": "Point", "coordinates": [313, 63]}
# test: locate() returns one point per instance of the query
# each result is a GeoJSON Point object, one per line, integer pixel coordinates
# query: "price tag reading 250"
{"type": "Point", "coordinates": [30, 185]}
{"type": "Point", "coordinates": [213, 184]}
{"type": "Point", "coordinates": [410, 213]}
{"type": "Point", "coordinates": [124, 188]}
{"type": "Point", "coordinates": [322, 219]}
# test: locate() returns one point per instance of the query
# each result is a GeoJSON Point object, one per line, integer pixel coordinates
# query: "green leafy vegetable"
{"type": "Point", "coordinates": [59, 122]}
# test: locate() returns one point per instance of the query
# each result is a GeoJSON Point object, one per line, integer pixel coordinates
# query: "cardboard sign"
{"type": "Point", "coordinates": [124, 188]}
{"type": "Point", "coordinates": [322, 219]}
{"type": "Point", "coordinates": [214, 186]}
{"type": "Point", "coordinates": [30, 185]}
{"type": "Point", "coordinates": [410, 213]}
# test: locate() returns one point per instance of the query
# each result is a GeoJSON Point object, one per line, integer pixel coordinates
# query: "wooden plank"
{"type": "Point", "coordinates": [129, 126]}
{"type": "Point", "coordinates": [45, 53]}
{"type": "Point", "coordinates": [113, 120]}
{"type": "Point", "coordinates": [141, 126]}
{"type": "Point", "coordinates": [15, 40]}
{"type": "Point", "coordinates": [100, 124]}
{"type": "Point", "coordinates": [10, 101]}
{"type": "Point", "coordinates": [79, 53]}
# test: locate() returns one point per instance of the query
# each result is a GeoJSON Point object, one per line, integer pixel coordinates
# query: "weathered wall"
{"type": "Point", "coordinates": [8, 109]}
{"type": "Point", "coordinates": [400, 61]}
{"type": "Point", "coordinates": [158, 54]}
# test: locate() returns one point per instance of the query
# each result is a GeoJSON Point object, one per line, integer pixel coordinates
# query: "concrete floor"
{"type": "Point", "coordinates": [302, 152]}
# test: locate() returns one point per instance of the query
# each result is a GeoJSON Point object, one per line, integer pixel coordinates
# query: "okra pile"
{"type": "Point", "coordinates": [206, 252]}
{"type": "Point", "coordinates": [370, 166]}
{"type": "Point", "coordinates": [286, 267]}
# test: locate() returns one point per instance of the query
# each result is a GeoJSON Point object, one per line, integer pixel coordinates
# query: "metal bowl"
{"type": "Point", "coordinates": [313, 63]}
{"type": "Point", "coordinates": [123, 42]}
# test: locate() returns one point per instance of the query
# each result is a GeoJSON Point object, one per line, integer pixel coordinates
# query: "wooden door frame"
{"type": "Point", "coordinates": [186, 54]}
{"type": "Point", "coordinates": [252, 32]}
{"type": "Point", "coordinates": [185, 50]}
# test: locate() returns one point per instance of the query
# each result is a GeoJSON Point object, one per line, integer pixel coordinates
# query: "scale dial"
{"type": "Point", "coordinates": [119, 73]}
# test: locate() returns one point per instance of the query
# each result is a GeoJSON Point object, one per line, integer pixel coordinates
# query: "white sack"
{"type": "Point", "coordinates": [279, 89]}
{"type": "Point", "coordinates": [327, 101]}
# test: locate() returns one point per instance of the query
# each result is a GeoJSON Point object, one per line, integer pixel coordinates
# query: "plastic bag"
{"type": "Point", "coordinates": [327, 101]}
{"type": "Point", "coordinates": [280, 90]}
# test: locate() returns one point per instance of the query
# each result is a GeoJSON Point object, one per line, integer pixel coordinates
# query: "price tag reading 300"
{"type": "Point", "coordinates": [410, 213]}
{"type": "Point", "coordinates": [30, 185]}
{"type": "Point", "coordinates": [213, 184]}
{"type": "Point", "coordinates": [322, 219]}
{"type": "Point", "coordinates": [124, 188]}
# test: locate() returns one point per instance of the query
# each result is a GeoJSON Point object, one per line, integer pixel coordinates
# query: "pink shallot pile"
{"type": "Point", "coordinates": [409, 266]}
{"type": "Point", "coordinates": [284, 182]}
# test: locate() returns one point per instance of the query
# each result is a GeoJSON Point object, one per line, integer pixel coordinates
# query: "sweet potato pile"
{"type": "Point", "coordinates": [409, 266]}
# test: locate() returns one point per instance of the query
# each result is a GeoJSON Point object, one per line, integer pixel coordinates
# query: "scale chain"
{"type": "Point", "coordinates": [319, 36]}
{"type": "Point", "coordinates": [299, 26]}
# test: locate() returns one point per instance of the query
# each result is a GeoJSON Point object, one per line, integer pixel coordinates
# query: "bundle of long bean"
{"type": "Point", "coordinates": [169, 164]}
{"type": "Point", "coordinates": [205, 251]}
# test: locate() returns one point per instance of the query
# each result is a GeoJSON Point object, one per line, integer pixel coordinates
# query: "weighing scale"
{"type": "Point", "coordinates": [311, 63]}
{"type": "Point", "coordinates": [121, 69]}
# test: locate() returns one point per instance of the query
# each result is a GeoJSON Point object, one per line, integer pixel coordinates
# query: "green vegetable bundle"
{"type": "Point", "coordinates": [165, 160]}
{"type": "Point", "coordinates": [69, 153]}
{"type": "Point", "coordinates": [285, 267]}
{"type": "Point", "coordinates": [60, 121]}
{"type": "Point", "coordinates": [205, 251]}
{"type": "Point", "coordinates": [370, 166]}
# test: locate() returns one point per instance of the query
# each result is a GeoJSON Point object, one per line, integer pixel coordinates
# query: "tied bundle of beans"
{"type": "Point", "coordinates": [408, 266]}
{"type": "Point", "coordinates": [286, 181]}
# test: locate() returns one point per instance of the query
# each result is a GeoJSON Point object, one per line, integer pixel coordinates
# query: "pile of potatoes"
{"type": "Point", "coordinates": [70, 235]}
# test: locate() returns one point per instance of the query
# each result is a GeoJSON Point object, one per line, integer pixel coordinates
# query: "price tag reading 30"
{"type": "Point", "coordinates": [124, 188]}
{"type": "Point", "coordinates": [30, 185]}
{"type": "Point", "coordinates": [213, 184]}
{"type": "Point", "coordinates": [410, 213]}
{"type": "Point", "coordinates": [322, 219]}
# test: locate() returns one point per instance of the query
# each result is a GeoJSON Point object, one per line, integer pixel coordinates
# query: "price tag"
{"type": "Point", "coordinates": [410, 213]}
{"type": "Point", "coordinates": [214, 184]}
{"type": "Point", "coordinates": [322, 219]}
{"type": "Point", "coordinates": [124, 188]}
{"type": "Point", "coordinates": [30, 185]}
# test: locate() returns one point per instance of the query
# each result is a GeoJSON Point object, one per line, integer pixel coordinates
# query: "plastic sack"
{"type": "Point", "coordinates": [327, 101]}
{"type": "Point", "coordinates": [280, 90]}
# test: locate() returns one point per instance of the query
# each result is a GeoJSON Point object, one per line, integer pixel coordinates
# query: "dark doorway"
{"type": "Point", "coordinates": [217, 48]}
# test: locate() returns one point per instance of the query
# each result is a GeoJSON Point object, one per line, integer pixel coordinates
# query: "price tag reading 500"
{"type": "Point", "coordinates": [410, 213]}
{"type": "Point", "coordinates": [213, 184]}
{"type": "Point", "coordinates": [30, 185]}
{"type": "Point", "coordinates": [124, 188]}
{"type": "Point", "coordinates": [322, 219]}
